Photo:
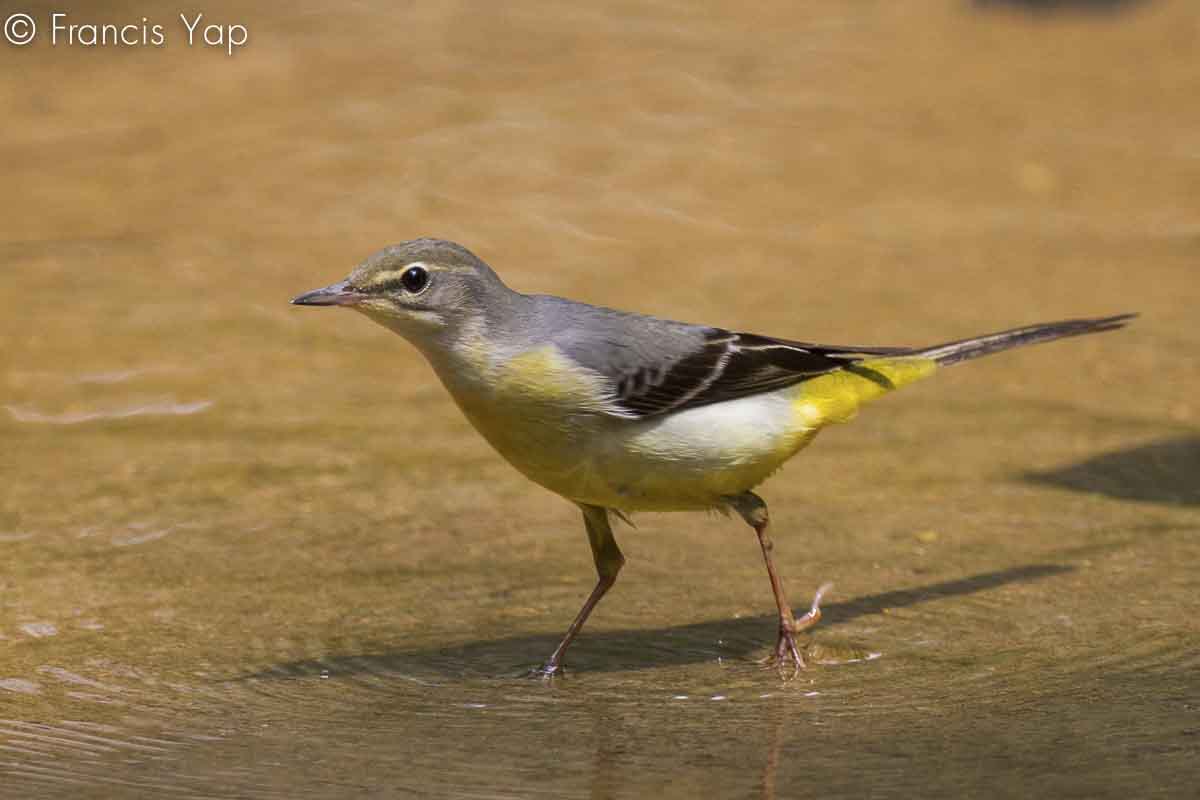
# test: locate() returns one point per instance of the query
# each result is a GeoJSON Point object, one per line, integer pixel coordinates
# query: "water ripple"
{"type": "Point", "coordinates": [26, 414]}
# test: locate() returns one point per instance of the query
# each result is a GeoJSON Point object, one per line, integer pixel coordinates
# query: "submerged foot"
{"type": "Point", "coordinates": [787, 654]}
{"type": "Point", "coordinates": [547, 673]}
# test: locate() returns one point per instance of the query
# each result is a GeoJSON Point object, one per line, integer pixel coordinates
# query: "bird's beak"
{"type": "Point", "coordinates": [336, 294]}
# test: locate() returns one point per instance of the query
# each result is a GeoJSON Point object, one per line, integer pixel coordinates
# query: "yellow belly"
{"type": "Point", "coordinates": [544, 418]}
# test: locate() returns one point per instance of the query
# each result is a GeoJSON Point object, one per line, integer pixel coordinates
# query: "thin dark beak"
{"type": "Point", "coordinates": [337, 294]}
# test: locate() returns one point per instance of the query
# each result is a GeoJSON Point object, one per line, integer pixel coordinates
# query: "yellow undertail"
{"type": "Point", "coordinates": [837, 396]}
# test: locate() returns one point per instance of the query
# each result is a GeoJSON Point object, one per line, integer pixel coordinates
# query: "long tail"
{"type": "Point", "coordinates": [966, 349]}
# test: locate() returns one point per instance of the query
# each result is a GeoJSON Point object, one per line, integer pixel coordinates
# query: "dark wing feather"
{"type": "Point", "coordinates": [730, 365]}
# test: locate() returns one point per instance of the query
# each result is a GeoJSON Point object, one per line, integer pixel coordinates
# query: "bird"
{"type": "Point", "coordinates": [620, 412]}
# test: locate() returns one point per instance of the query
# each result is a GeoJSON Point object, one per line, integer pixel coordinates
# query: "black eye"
{"type": "Point", "coordinates": [415, 279]}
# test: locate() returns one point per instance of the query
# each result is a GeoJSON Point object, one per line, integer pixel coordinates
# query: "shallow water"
{"type": "Point", "coordinates": [252, 550]}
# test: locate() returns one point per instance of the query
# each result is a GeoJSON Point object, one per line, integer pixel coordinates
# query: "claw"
{"type": "Point", "coordinates": [786, 650]}
{"type": "Point", "coordinates": [546, 673]}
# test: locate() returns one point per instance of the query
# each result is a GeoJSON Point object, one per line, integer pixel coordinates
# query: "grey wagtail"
{"type": "Point", "coordinates": [620, 412]}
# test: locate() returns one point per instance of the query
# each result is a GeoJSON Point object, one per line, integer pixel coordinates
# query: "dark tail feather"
{"type": "Point", "coordinates": [965, 349]}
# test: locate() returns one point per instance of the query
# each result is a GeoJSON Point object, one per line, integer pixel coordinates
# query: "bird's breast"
{"type": "Point", "coordinates": [537, 409]}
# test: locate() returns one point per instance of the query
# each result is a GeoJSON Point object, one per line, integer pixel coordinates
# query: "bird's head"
{"type": "Point", "coordinates": [418, 289]}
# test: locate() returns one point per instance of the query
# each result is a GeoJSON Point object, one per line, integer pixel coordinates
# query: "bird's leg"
{"type": "Point", "coordinates": [609, 561]}
{"type": "Point", "coordinates": [752, 509]}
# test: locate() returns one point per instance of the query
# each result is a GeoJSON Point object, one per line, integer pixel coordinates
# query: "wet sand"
{"type": "Point", "coordinates": [253, 550]}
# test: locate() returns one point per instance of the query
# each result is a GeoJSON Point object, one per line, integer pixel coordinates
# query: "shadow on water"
{"type": "Point", "coordinates": [1166, 471]}
{"type": "Point", "coordinates": [626, 649]}
{"type": "Point", "coordinates": [1052, 6]}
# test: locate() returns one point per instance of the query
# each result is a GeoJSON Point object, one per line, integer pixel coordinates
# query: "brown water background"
{"type": "Point", "coordinates": [250, 550]}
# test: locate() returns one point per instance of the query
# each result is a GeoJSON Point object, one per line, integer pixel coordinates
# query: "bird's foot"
{"type": "Point", "coordinates": [787, 654]}
{"type": "Point", "coordinates": [786, 657]}
{"type": "Point", "coordinates": [547, 673]}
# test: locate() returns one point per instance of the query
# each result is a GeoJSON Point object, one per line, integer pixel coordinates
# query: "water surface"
{"type": "Point", "coordinates": [252, 550]}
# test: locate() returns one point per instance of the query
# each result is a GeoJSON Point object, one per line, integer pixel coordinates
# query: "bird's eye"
{"type": "Point", "coordinates": [415, 279]}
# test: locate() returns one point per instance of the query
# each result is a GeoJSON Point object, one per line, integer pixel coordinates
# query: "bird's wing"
{"type": "Point", "coordinates": [711, 366]}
